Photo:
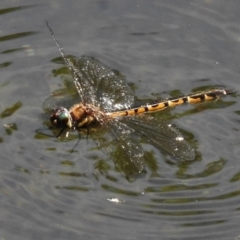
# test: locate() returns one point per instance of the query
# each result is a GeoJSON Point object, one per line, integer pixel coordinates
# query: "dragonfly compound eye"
{"type": "Point", "coordinates": [61, 118]}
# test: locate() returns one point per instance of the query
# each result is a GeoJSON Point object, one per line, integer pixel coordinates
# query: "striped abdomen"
{"type": "Point", "coordinates": [172, 102]}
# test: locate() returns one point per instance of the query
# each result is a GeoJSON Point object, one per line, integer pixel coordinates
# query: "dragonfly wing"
{"type": "Point", "coordinates": [88, 75]}
{"type": "Point", "coordinates": [113, 92]}
{"type": "Point", "coordinates": [162, 135]}
{"type": "Point", "coordinates": [117, 141]}
{"type": "Point", "coordinates": [85, 80]}
{"type": "Point", "coordinates": [102, 86]}
{"type": "Point", "coordinates": [83, 74]}
{"type": "Point", "coordinates": [98, 85]}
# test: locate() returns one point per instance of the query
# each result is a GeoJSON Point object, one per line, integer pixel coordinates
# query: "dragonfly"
{"type": "Point", "coordinates": [106, 109]}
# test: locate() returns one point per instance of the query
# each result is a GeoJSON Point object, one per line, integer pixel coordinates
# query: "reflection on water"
{"type": "Point", "coordinates": [16, 35]}
{"type": "Point", "coordinates": [10, 110]}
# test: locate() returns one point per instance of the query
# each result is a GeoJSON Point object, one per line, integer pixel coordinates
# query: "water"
{"type": "Point", "coordinates": [163, 48]}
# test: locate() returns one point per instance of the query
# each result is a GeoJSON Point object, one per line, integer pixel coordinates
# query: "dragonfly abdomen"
{"type": "Point", "coordinates": [172, 102]}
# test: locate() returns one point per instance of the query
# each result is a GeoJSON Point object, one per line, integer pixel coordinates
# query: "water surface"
{"type": "Point", "coordinates": [164, 49]}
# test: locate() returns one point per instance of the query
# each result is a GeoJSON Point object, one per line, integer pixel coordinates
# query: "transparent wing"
{"type": "Point", "coordinates": [102, 86]}
{"type": "Point", "coordinates": [96, 83]}
{"type": "Point", "coordinates": [162, 135]}
{"type": "Point", "coordinates": [99, 86]}
{"type": "Point", "coordinates": [117, 141]}
{"type": "Point", "coordinates": [113, 91]}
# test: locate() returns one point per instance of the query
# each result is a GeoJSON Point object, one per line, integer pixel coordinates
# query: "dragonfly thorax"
{"type": "Point", "coordinates": [84, 115]}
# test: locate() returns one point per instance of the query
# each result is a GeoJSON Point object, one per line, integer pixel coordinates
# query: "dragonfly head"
{"type": "Point", "coordinates": [61, 118]}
